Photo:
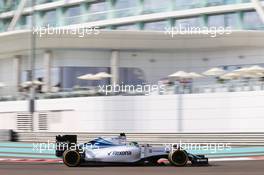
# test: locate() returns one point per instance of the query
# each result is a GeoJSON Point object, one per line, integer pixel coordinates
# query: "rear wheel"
{"type": "Point", "coordinates": [71, 158]}
{"type": "Point", "coordinates": [178, 158]}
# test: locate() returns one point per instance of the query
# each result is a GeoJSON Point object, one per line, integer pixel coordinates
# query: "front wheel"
{"type": "Point", "coordinates": [178, 158]}
{"type": "Point", "coordinates": [71, 158]}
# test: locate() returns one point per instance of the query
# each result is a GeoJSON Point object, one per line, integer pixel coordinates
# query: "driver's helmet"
{"type": "Point", "coordinates": [122, 138]}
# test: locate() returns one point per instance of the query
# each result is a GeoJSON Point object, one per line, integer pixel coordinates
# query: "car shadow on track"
{"type": "Point", "coordinates": [141, 165]}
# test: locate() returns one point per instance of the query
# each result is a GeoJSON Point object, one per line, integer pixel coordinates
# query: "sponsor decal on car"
{"type": "Point", "coordinates": [120, 153]}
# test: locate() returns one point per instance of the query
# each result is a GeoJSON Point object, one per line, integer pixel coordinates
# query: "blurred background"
{"type": "Point", "coordinates": [212, 84]}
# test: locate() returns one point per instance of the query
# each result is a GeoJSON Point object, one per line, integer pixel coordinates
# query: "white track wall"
{"type": "Point", "coordinates": [216, 112]}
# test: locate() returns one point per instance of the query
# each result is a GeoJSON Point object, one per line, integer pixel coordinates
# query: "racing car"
{"type": "Point", "coordinates": [116, 151]}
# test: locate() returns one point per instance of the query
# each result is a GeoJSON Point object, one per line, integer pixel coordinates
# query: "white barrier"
{"type": "Point", "coordinates": [196, 113]}
{"type": "Point", "coordinates": [235, 139]}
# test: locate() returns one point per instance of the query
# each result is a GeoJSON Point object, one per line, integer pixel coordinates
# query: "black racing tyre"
{"type": "Point", "coordinates": [178, 158]}
{"type": "Point", "coordinates": [71, 158]}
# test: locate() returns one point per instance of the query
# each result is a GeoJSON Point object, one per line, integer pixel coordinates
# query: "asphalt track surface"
{"type": "Point", "coordinates": [216, 168]}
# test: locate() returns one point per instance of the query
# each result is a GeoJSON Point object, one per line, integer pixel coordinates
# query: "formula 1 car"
{"type": "Point", "coordinates": [116, 151]}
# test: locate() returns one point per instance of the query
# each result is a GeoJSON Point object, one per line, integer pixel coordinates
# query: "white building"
{"type": "Point", "coordinates": [134, 46]}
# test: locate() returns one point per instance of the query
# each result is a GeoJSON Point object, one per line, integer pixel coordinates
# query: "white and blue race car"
{"type": "Point", "coordinates": [116, 151]}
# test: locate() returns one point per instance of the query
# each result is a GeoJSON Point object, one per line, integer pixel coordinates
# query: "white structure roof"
{"type": "Point", "coordinates": [19, 41]}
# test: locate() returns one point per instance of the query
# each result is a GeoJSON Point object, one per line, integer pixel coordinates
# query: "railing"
{"type": "Point", "coordinates": [173, 89]}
